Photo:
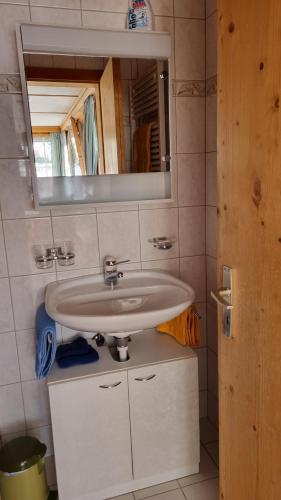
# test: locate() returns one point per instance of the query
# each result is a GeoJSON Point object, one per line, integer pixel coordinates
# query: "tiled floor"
{"type": "Point", "coordinates": [201, 486]}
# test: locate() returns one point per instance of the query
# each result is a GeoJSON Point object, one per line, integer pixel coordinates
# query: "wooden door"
{"type": "Point", "coordinates": [112, 118]}
{"type": "Point", "coordinates": [164, 419]}
{"type": "Point", "coordinates": [249, 145]}
{"type": "Point", "coordinates": [91, 427]}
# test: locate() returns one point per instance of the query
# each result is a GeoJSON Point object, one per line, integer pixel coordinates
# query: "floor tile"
{"type": "Point", "coordinates": [208, 432]}
{"type": "Point", "coordinates": [213, 450]}
{"type": "Point", "coordinates": [170, 495]}
{"type": "Point", "coordinates": [207, 490]}
{"type": "Point", "coordinates": [155, 490]}
{"type": "Point", "coordinates": [207, 470]}
{"type": "Point", "coordinates": [128, 496]}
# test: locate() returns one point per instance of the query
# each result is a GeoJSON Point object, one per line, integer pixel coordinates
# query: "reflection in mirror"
{"type": "Point", "coordinates": [98, 115]}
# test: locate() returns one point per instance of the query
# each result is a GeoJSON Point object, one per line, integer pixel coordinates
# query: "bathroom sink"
{"type": "Point", "coordinates": [140, 300]}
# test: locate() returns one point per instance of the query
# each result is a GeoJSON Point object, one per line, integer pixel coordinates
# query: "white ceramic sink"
{"type": "Point", "coordinates": [142, 299]}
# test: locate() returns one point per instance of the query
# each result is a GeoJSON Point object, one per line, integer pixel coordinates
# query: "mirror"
{"type": "Point", "coordinates": [111, 118]}
{"type": "Point", "coordinates": [97, 105]}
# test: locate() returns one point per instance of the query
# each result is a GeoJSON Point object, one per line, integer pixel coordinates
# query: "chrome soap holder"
{"type": "Point", "coordinates": [64, 257]}
{"type": "Point", "coordinates": [162, 242]}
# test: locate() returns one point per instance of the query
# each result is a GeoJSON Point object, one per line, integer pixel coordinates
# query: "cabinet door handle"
{"type": "Point", "coordinates": [110, 386]}
{"type": "Point", "coordinates": [145, 379]}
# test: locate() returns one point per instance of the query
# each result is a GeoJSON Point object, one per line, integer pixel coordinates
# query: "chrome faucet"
{"type": "Point", "coordinates": [110, 271]}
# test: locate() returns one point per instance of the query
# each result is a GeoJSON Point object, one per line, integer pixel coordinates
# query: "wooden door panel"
{"type": "Point", "coordinates": [249, 176]}
{"type": "Point", "coordinates": [112, 118]}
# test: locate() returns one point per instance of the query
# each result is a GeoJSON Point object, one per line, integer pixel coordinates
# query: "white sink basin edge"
{"type": "Point", "coordinates": [141, 300]}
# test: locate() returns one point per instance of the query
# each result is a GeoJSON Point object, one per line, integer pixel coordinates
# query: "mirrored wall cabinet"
{"type": "Point", "coordinates": [99, 114]}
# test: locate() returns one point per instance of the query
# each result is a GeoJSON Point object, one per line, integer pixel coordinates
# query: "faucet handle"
{"type": "Point", "coordinates": [110, 261]}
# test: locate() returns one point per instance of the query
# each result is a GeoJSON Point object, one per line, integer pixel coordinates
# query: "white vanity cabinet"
{"type": "Point", "coordinates": [164, 419]}
{"type": "Point", "coordinates": [120, 430]}
{"type": "Point", "coordinates": [91, 431]}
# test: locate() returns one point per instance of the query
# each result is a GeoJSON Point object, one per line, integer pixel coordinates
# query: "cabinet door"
{"type": "Point", "coordinates": [164, 417]}
{"type": "Point", "coordinates": [91, 429]}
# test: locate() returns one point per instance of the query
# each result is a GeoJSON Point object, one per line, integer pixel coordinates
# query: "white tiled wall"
{"type": "Point", "coordinates": [211, 204]}
{"type": "Point", "coordinates": [124, 231]}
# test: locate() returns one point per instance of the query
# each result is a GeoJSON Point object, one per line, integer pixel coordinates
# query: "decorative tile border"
{"type": "Point", "coordinates": [211, 86]}
{"type": "Point", "coordinates": [190, 88]}
{"type": "Point", "coordinates": [10, 84]}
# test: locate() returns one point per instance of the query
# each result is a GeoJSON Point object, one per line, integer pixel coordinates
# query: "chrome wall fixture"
{"type": "Point", "coordinates": [63, 256]}
{"type": "Point", "coordinates": [162, 242]}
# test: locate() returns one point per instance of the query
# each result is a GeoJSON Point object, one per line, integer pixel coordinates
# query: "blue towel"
{"type": "Point", "coordinates": [78, 352]}
{"type": "Point", "coordinates": [46, 342]}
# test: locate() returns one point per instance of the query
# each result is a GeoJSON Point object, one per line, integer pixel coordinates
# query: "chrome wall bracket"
{"type": "Point", "coordinates": [223, 297]}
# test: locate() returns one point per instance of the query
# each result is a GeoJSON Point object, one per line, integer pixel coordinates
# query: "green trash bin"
{"type": "Point", "coordinates": [22, 470]}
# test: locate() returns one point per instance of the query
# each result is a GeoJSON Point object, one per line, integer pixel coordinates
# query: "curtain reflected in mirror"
{"type": "Point", "coordinates": [99, 115]}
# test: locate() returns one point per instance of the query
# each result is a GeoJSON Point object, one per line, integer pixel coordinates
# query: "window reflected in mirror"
{"type": "Point", "coordinates": [98, 115]}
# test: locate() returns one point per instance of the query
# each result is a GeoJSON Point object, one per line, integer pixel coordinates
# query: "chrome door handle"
{"type": "Point", "coordinates": [145, 379]}
{"type": "Point", "coordinates": [110, 386]}
{"type": "Point", "coordinates": [223, 297]}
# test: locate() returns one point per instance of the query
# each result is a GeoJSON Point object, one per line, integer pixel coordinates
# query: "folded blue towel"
{"type": "Point", "coordinates": [76, 348]}
{"type": "Point", "coordinates": [78, 352]}
{"type": "Point", "coordinates": [46, 342]}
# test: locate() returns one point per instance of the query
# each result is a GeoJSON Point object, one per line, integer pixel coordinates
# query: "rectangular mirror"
{"type": "Point", "coordinates": [96, 116]}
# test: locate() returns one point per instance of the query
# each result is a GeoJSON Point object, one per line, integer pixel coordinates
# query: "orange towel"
{"type": "Point", "coordinates": [185, 327]}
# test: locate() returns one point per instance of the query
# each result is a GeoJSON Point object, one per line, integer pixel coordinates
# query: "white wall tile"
{"type": "Point", "coordinates": [68, 4]}
{"type": "Point", "coordinates": [12, 413]}
{"type": "Point", "coordinates": [51, 471]}
{"type": "Point", "coordinates": [103, 20]}
{"type": "Point", "coordinates": [202, 367]}
{"type": "Point", "coordinates": [212, 326]}
{"type": "Point", "coordinates": [9, 365]}
{"type": "Point", "coordinates": [211, 179]}
{"type": "Point", "coordinates": [36, 403]}
{"type": "Point", "coordinates": [162, 7]}
{"type": "Point", "coordinates": [190, 113]}
{"type": "Point", "coordinates": [213, 409]}
{"type": "Point", "coordinates": [169, 265]}
{"type": "Point", "coordinates": [28, 292]}
{"type": "Point", "coordinates": [157, 223]}
{"type": "Point", "coordinates": [201, 309]}
{"type": "Point", "coordinates": [16, 192]}
{"type": "Point", "coordinates": [203, 404]}
{"type": "Point", "coordinates": [81, 230]}
{"type": "Point", "coordinates": [211, 123]}
{"type": "Point", "coordinates": [26, 342]}
{"type": "Point", "coordinates": [21, 237]}
{"type": "Point", "coordinates": [44, 434]}
{"type": "Point", "coordinates": [191, 179]}
{"type": "Point", "coordinates": [6, 313]}
{"type": "Point", "coordinates": [61, 17]}
{"type": "Point", "coordinates": [105, 5]}
{"type": "Point", "coordinates": [211, 277]}
{"type": "Point", "coordinates": [192, 231]}
{"type": "Point", "coordinates": [190, 8]}
{"type": "Point", "coordinates": [10, 15]}
{"type": "Point", "coordinates": [13, 141]}
{"type": "Point", "coordinates": [192, 271]}
{"type": "Point", "coordinates": [211, 46]}
{"type": "Point", "coordinates": [212, 372]}
{"type": "Point", "coordinates": [119, 235]}
{"type": "Point", "coordinates": [190, 49]}
{"type": "Point", "coordinates": [74, 273]}
{"type": "Point", "coordinates": [211, 6]}
{"type": "Point", "coordinates": [211, 231]}
{"type": "Point", "coordinates": [3, 262]}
